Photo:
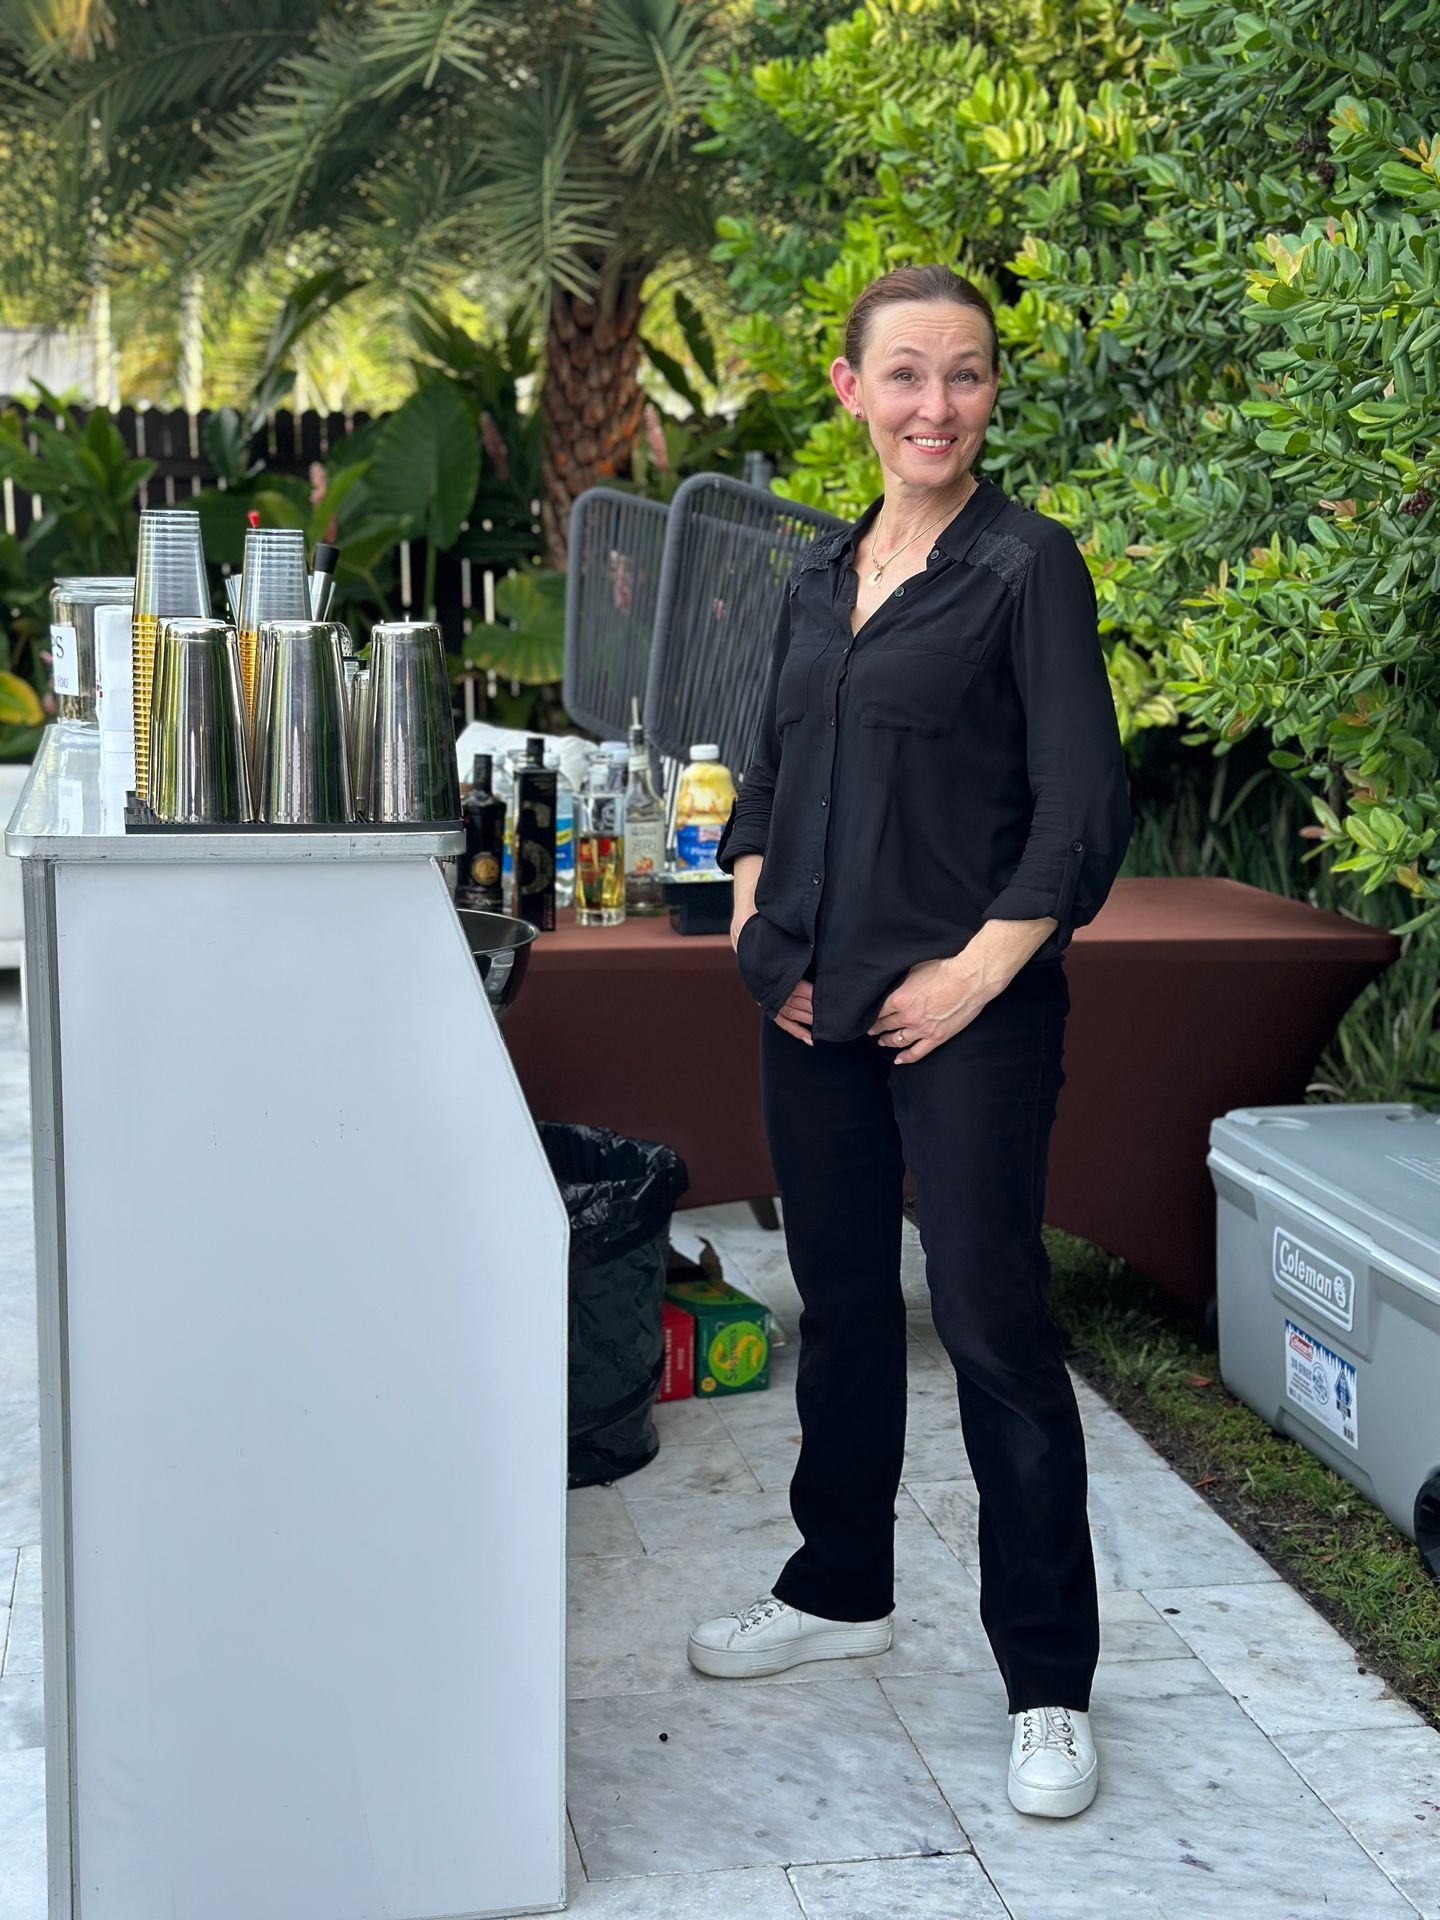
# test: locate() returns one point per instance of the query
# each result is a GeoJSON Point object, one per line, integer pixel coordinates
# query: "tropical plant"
{"type": "Point", "coordinates": [529, 647]}
{"type": "Point", "coordinates": [548, 151]}
{"type": "Point", "coordinates": [1216, 276]}
{"type": "Point", "coordinates": [86, 480]}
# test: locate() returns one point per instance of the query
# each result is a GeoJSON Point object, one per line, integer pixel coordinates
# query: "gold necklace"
{"type": "Point", "coordinates": [878, 574]}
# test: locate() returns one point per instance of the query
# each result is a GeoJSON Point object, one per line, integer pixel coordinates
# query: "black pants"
{"type": "Point", "coordinates": [972, 1122]}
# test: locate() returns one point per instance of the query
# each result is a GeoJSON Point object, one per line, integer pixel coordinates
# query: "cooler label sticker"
{"type": "Point", "coordinates": [64, 657]}
{"type": "Point", "coordinates": [1321, 1382]}
{"type": "Point", "coordinates": [1318, 1280]}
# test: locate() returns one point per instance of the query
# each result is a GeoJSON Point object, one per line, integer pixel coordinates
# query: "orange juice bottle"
{"type": "Point", "coordinates": [702, 806]}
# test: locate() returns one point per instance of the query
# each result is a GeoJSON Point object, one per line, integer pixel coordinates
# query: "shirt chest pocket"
{"type": "Point", "coordinates": [917, 690]}
{"type": "Point", "coordinates": [797, 677]}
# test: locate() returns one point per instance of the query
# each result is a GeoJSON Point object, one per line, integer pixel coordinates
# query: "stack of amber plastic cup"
{"type": "Point", "coordinates": [170, 584]}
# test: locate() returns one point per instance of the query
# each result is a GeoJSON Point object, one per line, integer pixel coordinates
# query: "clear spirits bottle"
{"type": "Point", "coordinates": [644, 832]}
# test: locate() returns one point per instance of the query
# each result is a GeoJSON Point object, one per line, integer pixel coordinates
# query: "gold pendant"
{"type": "Point", "coordinates": [875, 576]}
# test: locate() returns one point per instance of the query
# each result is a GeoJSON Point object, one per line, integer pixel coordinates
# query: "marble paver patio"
{"type": "Point", "coordinates": [1249, 1771]}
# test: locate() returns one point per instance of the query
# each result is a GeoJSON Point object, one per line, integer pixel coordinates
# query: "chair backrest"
{"type": "Point", "coordinates": [729, 549]}
{"type": "Point", "coordinates": [612, 586]}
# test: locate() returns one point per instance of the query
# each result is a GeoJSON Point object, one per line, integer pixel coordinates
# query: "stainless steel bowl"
{"type": "Point", "coordinates": [501, 946]}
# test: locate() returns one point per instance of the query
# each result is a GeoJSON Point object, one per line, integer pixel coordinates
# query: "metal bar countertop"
{"type": "Point", "coordinates": [72, 808]}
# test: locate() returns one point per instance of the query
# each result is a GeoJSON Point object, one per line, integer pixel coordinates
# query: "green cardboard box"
{"type": "Point", "coordinates": [732, 1335]}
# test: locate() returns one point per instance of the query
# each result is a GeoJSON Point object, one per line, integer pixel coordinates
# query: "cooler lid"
{"type": "Point", "coordinates": [1375, 1167]}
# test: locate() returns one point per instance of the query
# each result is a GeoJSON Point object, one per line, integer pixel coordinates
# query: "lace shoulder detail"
{"type": "Point", "coordinates": [821, 551]}
{"type": "Point", "coordinates": [1006, 556]}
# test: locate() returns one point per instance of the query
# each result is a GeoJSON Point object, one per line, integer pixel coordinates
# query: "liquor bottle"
{"type": "Point", "coordinates": [615, 756]}
{"type": "Point", "coordinates": [644, 833]}
{"type": "Point", "coordinates": [484, 816]}
{"type": "Point", "coordinates": [532, 877]}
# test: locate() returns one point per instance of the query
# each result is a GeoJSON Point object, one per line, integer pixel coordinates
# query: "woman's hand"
{"type": "Point", "coordinates": [741, 915]}
{"type": "Point", "coordinates": [746, 876]}
{"type": "Point", "coordinates": [931, 1004]}
{"type": "Point", "coordinates": [797, 1016]}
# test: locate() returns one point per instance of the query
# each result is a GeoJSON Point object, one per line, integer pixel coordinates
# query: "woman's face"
{"type": "Point", "coordinates": [925, 376]}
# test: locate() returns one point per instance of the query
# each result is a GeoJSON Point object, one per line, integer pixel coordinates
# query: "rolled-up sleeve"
{"type": "Point", "coordinates": [1080, 822]}
{"type": "Point", "coordinates": [748, 828]}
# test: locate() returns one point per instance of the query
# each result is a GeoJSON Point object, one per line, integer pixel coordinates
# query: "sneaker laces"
{"type": "Point", "coordinates": [758, 1612]}
{"type": "Point", "coordinates": [1047, 1727]}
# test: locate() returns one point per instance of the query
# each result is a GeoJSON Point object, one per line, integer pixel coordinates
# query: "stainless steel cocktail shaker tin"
{"type": "Point", "coordinates": [411, 772]}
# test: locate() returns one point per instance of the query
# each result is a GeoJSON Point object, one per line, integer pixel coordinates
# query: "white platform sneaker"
{"type": "Point", "coordinates": [1054, 1768]}
{"type": "Point", "coordinates": [768, 1636]}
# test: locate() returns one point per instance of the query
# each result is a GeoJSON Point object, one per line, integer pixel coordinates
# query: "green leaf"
{"type": "Point", "coordinates": [426, 463]}
{"type": "Point", "coordinates": [696, 337]}
{"type": "Point", "coordinates": [533, 649]}
{"type": "Point", "coordinates": [19, 703]}
{"type": "Point", "coordinates": [673, 372]}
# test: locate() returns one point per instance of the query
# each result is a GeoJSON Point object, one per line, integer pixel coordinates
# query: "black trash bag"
{"type": "Point", "coordinates": [619, 1195]}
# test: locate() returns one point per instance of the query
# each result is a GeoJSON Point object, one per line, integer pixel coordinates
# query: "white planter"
{"type": "Point", "coordinates": [12, 917]}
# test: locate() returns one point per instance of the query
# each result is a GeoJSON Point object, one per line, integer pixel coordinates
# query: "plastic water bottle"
{"type": "Point", "coordinates": [503, 786]}
{"type": "Point", "coordinates": [564, 834]}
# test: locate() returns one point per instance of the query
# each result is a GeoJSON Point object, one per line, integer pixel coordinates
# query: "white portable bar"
{"type": "Point", "coordinates": [301, 1278]}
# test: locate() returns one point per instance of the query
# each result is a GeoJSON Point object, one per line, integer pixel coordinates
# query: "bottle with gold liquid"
{"type": "Point", "coordinates": [170, 584]}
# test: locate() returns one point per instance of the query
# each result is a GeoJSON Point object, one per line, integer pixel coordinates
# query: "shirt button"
{"type": "Point", "coordinates": [814, 879]}
{"type": "Point", "coordinates": [934, 553]}
{"type": "Point", "coordinates": [824, 799]}
{"type": "Point", "coordinates": [1077, 846]}
{"type": "Point", "coordinates": [832, 719]}
{"type": "Point", "coordinates": [898, 592]}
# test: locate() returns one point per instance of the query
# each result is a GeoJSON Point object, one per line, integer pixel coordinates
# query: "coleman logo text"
{"type": "Point", "coordinates": [1328, 1287]}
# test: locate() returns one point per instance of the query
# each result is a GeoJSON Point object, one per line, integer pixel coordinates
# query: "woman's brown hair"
{"type": "Point", "coordinates": [915, 283]}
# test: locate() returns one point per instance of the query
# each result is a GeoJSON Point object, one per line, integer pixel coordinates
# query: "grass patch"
{"type": "Point", "coordinates": [1154, 1364]}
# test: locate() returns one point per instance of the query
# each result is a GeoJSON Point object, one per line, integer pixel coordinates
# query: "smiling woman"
{"type": "Point", "coordinates": [937, 799]}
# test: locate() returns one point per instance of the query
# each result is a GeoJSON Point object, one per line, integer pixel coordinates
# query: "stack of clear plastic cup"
{"type": "Point", "coordinates": [170, 584]}
{"type": "Point", "coordinates": [273, 586]}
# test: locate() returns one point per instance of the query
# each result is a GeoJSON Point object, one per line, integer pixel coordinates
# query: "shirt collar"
{"type": "Point", "coordinates": [956, 537]}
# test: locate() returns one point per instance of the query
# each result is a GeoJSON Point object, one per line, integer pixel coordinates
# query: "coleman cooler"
{"type": "Point", "coordinates": [1328, 1307]}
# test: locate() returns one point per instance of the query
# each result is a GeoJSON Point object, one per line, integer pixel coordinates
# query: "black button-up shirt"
{"type": "Point", "coordinates": [956, 761]}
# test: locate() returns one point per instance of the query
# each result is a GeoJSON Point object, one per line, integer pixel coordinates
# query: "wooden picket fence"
{"type": "Point", "coordinates": [290, 444]}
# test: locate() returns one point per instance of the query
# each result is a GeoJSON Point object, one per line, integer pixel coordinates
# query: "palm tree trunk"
{"type": "Point", "coordinates": [591, 401]}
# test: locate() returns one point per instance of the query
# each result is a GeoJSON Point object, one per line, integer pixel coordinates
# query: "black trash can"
{"type": "Point", "coordinates": [619, 1195]}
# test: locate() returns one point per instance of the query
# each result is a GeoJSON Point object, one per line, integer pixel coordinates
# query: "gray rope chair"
{"type": "Point", "coordinates": [729, 548]}
{"type": "Point", "coordinates": [612, 586]}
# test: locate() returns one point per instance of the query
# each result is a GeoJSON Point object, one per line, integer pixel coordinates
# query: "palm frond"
{"type": "Point", "coordinates": [646, 62]}
{"type": "Point", "coordinates": [544, 203]}
{"type": "Point", "coordinates": [288, 165]}
{"type": "Point", "coordinates": [415, 41]}
{"type": "Point", "coordinates": [79, 27]}
{"type": "Point", "coordinates": [173, 54]}
{"type": "Point", "coordinates": [123, 109]}
{"type": "Point", "coordinates": [417, 214]}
